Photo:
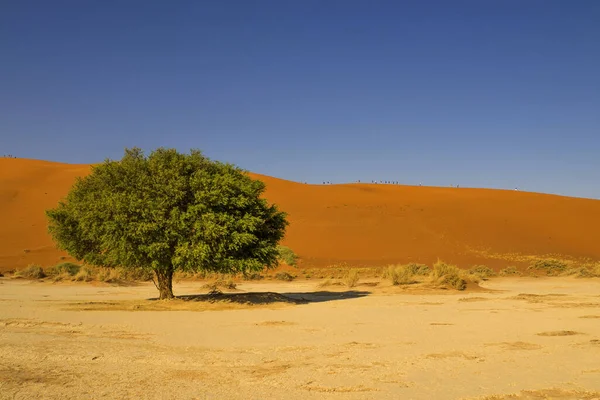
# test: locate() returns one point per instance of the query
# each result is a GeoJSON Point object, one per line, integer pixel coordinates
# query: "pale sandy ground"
{"type": "Point", "coordinates": [380, 345]}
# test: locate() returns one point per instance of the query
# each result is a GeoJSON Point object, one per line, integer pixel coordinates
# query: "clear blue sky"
{"type": "Point", "coordinates": [494, 93]}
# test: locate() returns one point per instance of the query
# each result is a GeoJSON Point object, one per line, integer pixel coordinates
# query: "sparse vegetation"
{"type": "Point", "coordinates": [220, 284]}
{"type": "Point", "coordinates": [284, 276]}
{"type": "Point", "coordinates": [482, 271]}
{"type": "Point", "coordinates": [418, 269]}
{"type": "Point", "coordinates": [85, 274]}
{"type": "Point", "coordinates": [448, 275]}
{"type": "Point", "coordinates": [510, 271]}
{"type": "Point", "coordinates": [66, 269]}
{"type": "Point", "coordinates": [351, 278]}
{"type": "Point", "coordinates": [33, 271]}
{"type": "Point", "coordinates": [400, 275]}
{"type": "Point", "coordinates": [287, 255]}
{"type": "Point", "coordinates": [252, 276]}
{"type": "Point", "coordinates": [551, 267]}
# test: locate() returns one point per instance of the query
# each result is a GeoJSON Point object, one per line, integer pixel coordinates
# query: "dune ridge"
{"type": "Point", "coordinates": [357, 224]}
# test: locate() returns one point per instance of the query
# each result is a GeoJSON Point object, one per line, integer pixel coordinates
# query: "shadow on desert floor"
{"type": "Point", "coordinates": [272, 297]}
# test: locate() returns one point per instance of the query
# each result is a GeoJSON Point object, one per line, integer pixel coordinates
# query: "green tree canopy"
{"type": "Point", "coordinates": [168, 211]}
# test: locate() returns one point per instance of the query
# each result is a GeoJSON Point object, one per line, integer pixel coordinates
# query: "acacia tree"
{"type": "Point", "coordinates": [168, 211]}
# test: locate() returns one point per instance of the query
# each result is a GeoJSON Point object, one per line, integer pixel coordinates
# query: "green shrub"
{"type": "Point", "coordinates": [64, 269]}
{"type": "Point", "coordinates": [351, 278]}
{"type": "Point", "coordinates": [482, 271]}
{"type": "Point", "coordinates": [510, 271]}
{"type": "Point", "coordinates": [287, 256]}
{"type": "Point", "coordinates": [550, 266]}
{"type": "Point", "coordinates": [33, 271]}
{"type": "Point", "coordinates": [284, 276]}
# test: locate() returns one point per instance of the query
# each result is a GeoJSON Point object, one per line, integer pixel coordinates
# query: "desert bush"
{"type": "Point", "coordinates": [252, 276]}
{"type": "Point", "coordinates": [85, 274]}
{"type": "Point", "coordinates": [482, 271]}
{"type": "Point", "coordinates": [220, 283]}
{"type": "Point", "coordinates": [33, 271]}
{"type": "Point", "coordinates": [441, 269]}
{"type": "Point", "coordinates": [418, 269]}
{"type": "Point", "coordinates": [400, 275]}
{"type": "Point", "coordinates": [448, 275]}
{"type": "Point", "coordinates": [287, 255]}
{"type": "Point", "coordinates": [551, 267]}
{"type": "Point", "coordinates": [579, 272]}
{"type": "Point", "coordinates": [351, 278]}
{"type": "Point", "coordinates": [510, 271]}
{"type": "Point", "coordinates": [454, 281]}
{"type": "Point", "coordinates": [108, 275]}
{"type": "Point", "coordinates": [66, 269]}
{"type": "Point", "coordinates": [284, 276]}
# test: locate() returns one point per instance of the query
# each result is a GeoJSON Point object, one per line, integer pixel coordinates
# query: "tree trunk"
{"type": "Point", "coordinates": [164, 278]}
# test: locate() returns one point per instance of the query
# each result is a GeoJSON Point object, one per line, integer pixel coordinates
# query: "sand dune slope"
{"type": "Point", "coordinates": [361, 224]}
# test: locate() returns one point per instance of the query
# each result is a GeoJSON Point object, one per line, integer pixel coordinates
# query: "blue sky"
{"type": "Point", "coordinates": [495, 93]}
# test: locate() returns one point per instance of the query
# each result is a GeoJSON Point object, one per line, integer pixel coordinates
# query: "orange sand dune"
{"type": "Point", "coordinates": [360, 224]}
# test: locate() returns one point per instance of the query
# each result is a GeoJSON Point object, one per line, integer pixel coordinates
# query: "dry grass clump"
{"type": "Point", "coordinates": [65, 269]}
{"type": "Point", "coordinates": [351, 278]}
{"type": "Point", "coordinates": [510, 271]}
{"type": "Point", "coordinates": [583, 271]}
{"type": "Point", "coordinates": [482, 271]}
{"type": "Point", "coordinates": [218, 284]}
{"type": "Point", "coordinates": [550, 267]}
{"type": "Point", "coordinates": [33, 271]}
{"type": "Point", "coordinates": [85, 274]}
{"type": "Point", "coordinates": [400, 275]}
{"type": "Point", "coordinates": [284, 276]}
{"type": "Point", "coordinates": [448, 275]}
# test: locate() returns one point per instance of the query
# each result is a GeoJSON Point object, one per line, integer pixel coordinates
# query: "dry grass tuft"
{"type": "Point", "coordinates": [33, 271]}
{"type": "Point", "coordinates": [400, 275]}
{"type": "Point", "coordinates": [510, 271]}
{"type": "Point", "coordinates": [448, 275]}
{"type": "Point", "coordinates": [559, 333]}
{"type": "Point", "coordinates": [351, 278]}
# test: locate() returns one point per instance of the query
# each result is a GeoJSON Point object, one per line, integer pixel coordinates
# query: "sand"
{"type": "Point", "coordinates": [357, 224]}
{"type": "Point", "coordinates": [521, 338]}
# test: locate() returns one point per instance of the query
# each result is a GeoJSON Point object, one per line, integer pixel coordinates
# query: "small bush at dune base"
{"type": "Point", "coordinates": [284, 276]}
{"type": "Point", "coordinates": [482, 271]}
{"type": "Point", "coordinates": [510, 271]}
{"type": "Point", "coordinates": [418, 269]}
{"type": "Point", "coordinates": [448, 275]}
{"type": "Point", "coordinates": [400, 275]}
{"type": "Point", "coordinates": [550, 267]}
{"type": "Point", "coordinates": [31, 272]}
{"type": "Point", "coordinates": [66, 269]}
{"type": "Point", "coordinates": [351, 278]}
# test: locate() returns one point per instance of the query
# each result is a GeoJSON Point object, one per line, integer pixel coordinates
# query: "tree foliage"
{"type": "Point", "coordinates": [169, 211]}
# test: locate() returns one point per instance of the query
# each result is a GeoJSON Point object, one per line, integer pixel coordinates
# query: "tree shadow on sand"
{"type": "Point", "coordinates": [272, 297]}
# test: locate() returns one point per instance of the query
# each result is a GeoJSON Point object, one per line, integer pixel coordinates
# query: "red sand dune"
{"type": "Point", "coordinates": [360, 224]}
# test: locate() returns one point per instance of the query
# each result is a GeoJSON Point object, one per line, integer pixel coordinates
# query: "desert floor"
{"type": "Point", "coordinates": [522, 338]}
